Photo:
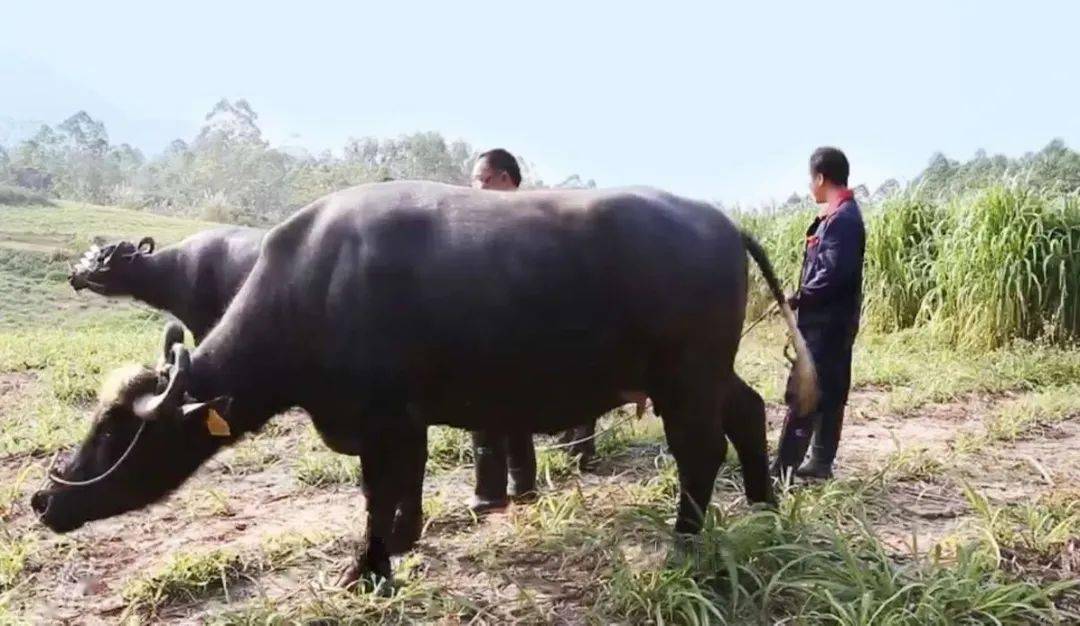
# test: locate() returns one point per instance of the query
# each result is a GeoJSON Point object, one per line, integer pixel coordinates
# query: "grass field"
{"type": "Point", "coordinates": [956, 498]}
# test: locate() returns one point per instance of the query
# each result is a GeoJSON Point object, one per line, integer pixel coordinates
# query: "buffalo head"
{"type": "Point", "coordinates": [147, 438]}
{"type": "Point", "coordinates": [110, 269]}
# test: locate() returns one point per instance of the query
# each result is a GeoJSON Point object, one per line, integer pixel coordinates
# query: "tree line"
{"type": "Point", "coordinates": [228, 172]}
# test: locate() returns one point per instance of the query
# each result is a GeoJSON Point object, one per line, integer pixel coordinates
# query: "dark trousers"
{"type": "Point", "coordinates": [831, 347]}
{"type": "Point", "coordinates": [499, 453]}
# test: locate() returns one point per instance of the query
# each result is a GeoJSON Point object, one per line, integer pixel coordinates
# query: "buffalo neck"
{"type": "Point", "coordinates": [156, 281]}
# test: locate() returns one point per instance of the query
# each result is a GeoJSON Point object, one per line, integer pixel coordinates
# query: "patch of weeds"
{"type": "Point", "coordinates": [409, 600]}
{"type": "Point", "coordinates": [250, 456]}
{"type": "Point", "coordinates": [1040, 538]}
{"type": "Point", "coordinates": [1023, 416]}
{"type": "Point", "coordinates": [40, 422]}
{"type": "Point", "coordinates": [448, 448]}
{"type": "Point", "coordinates": [554, 466]}
{"type": "Point", "coordinates": [1026, 414]}
{"type": "Point", "coordinates": [188, 577]}
{"type": "Point", "coordinates": [209, 503]}
{"type": "Point", "coordinates": [318, 466]}
{"type": "Point", "coordinates": [11, 494]}
{"type": "Point", "coordinates": [816, 562]}
{"type": "Point", "coordinates": [323, 468]}
{"type": "Point", "coordinates": [913, 464]}
{"type": "Point", "coordinates": [289, 549]}
{"type": "Point", "coordinates": [15, 553]}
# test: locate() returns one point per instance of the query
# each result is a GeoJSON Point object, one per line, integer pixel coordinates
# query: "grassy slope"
{"type": "Point", "coordinates": [602, 540]}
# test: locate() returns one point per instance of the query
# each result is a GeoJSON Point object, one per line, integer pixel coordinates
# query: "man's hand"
{"type": "Point", "coordinates": [793, 301]}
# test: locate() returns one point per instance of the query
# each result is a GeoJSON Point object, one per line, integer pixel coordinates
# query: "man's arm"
{"type": "Point", "coordinates": [837, 261]}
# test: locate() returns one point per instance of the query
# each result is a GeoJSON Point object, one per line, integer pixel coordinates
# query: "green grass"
{"type": "Point", "coordinates": [765, 566]}
{"type": "Point", "coordinates": [15, 552]}
{"type": "Point", "coordinates": [983, 268]}
{"type": "Point", "coordinates": [189, 576]}
{"type": "Point", "coordinates": [186, 577]}
{"type": "Point", "coordinates": [1025, 416]}
{"type": "Point", "coordinates": [817, 559]}
{"type": "Point", "coordinates": [19, 197]}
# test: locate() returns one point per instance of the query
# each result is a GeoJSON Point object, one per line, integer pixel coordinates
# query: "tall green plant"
{"type": "Point", "coordinates": [1008, 268]}
{"type": "Point", "coordinates": [903, 239]}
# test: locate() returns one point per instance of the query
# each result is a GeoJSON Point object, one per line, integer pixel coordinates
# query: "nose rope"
{"type": "Point", "coordinates": [85, 483]}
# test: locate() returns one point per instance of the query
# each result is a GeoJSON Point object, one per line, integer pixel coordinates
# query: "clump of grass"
{"type": "Point", "coordinates": [322, 468]}
{"type": "Point", "coordinates": [1027, 413]}
{"type": "Point", "coordinates": [448, 448]}
{"type": "Point", "coordinates": [1023, 416]}
{"type": "Point", "coordinates": [209, 503]}
{"type": "Point", "coordinates": [901, 248]}
{"type": "Point", "coordinates": [187, 577]}
{"type": "Point", "coordinates": [318, 466]}
{"type": "Point", "coordinates": [913, 464]}
{"type": "Point", "coordinates": [1032, 531]}
{"type": "Point", "coordinates": [1010, 268]}
{"type": "Point", "coordinates": [768, 567]}
{"type": "Point", "coordinates": [17, 196]}
{"type": "Point", "coordinates": [410, 601]}
{"type": "Point", "coordinates": [15, 553]}
{"type": "Point", "coordinates": [554, 466]}
{"type": "Point", "coordinates": [12, 493]}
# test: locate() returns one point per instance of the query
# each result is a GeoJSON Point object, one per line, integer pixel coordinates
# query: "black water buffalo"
{"type": "Point", "coordinates": [194, 280]}
{"type": "Point", "coordinates": [386, 308]}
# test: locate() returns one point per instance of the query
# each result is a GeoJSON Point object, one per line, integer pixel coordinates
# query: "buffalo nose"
{"type": "Point", "coordinates": [39, 502]}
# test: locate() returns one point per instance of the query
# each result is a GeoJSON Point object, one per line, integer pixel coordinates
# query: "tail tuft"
{"type": "Point", "coordinates": [802, 394]}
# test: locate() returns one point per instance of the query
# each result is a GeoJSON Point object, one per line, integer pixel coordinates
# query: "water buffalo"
{"type": "Point", "coordinates": [385, 308]}
{"type": "Point", "coordinates": [194, 280]}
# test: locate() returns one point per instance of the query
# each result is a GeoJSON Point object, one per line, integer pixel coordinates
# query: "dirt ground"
{"type": "Point", "coordinates": [230, 504]}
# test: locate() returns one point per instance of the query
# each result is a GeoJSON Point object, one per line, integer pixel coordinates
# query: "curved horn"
{"type": "Point", "coordinates": [148, 242]}
{"type": "Point", "coordinates": [174, 334]}
{"type": "Point", "coordinates": [149, 407]}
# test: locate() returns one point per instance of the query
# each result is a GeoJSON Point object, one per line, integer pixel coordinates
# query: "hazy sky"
{"type": "Point", "coordinates": [709, 99]}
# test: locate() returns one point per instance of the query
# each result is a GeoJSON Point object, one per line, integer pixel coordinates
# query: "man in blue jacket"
{"type": "Point", "coordinates": [828, 303]}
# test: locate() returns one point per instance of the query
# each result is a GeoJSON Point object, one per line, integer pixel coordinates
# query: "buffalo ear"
{"type": "Point", "coordinates": [146, 245]}
{"type": "Point", "coordinates": [213, 414]}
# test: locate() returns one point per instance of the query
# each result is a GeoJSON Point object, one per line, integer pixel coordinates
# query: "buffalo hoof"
{"type": "Point", "coordinates": [522, 492]}
{"type": "Point", "coordinates": [364, 576]}
{"type": "Point", "coordinates": [815, 469]}
{"type": "Point", "coordinates": [480, 506]}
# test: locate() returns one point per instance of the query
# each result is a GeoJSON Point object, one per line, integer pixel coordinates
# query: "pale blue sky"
{"type": "Point", "coordinates": [709, 99]}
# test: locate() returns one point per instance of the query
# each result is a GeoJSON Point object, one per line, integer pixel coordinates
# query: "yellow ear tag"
{"type": "Point", "coordinates": [216, 424]}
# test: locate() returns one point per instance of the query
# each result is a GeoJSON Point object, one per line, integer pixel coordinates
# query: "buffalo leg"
{"type": "Point", "coordinates": [521, 466]}
{"type": "Point", "coordinates": [744, 424]}
{"type": "Point", "coordinates": [409, 520]}
{"type": "Point", "coordinates": [695, 435]}
{"type": "Point", "coordinates": [383, 492]}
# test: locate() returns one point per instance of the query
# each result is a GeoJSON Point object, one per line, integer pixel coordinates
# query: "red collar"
{"type": "Point", "coordinates": [841, 197]}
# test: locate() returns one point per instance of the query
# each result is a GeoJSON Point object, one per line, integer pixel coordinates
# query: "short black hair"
{"type": "Point", "coordinates": [831, 164]}
{"type": "Point", "coordinates": [502, 160]}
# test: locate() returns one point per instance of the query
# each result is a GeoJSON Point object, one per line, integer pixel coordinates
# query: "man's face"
{"type": "Point", "coordinates": [486, 177]}
{"type": "Point", "coordinates": [817, 188]}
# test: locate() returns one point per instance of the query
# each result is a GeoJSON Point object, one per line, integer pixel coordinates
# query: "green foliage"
{"type": "Point", "coordinates": [1008, 267]}
{"type": "Point", "coordinates": [17, 196]}
{"type": "Point", "coordinates": [809, 564]}
{"type": "Point", "coordinates": [901, 249]}
{"type": "Point", "coordinates": [227, 173]}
